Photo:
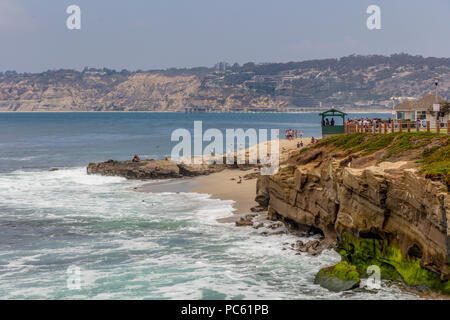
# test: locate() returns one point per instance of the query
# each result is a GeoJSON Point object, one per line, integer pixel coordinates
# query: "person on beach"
{"type": "Point", "coordinates": [298, 145]}
{"type": "Point", "coordinates": [301, 134]}
{"type": "Point", "coordinates": [301, 144]}
{"type": "Point", "coordinates": [136, 158]}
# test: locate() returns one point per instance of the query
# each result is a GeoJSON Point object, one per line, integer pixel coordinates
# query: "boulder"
{"type": "Point", "coordinates": [340, 277]}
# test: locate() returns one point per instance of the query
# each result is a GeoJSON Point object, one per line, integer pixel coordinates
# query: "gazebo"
{"type": "Point", "coordinates": [330, 130]}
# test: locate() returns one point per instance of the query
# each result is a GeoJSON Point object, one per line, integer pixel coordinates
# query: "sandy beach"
{"type": "Point", "coordinates": [224, 185]}
{"type": "Point", "coordinates": [229, 184]}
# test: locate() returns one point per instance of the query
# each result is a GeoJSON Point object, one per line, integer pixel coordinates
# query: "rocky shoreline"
{"type": "Point", "coordinates": [158, 169]}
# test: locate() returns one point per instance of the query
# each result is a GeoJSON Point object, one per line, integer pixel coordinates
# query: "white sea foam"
{"type": "Point", "coordinates": [28, 158]}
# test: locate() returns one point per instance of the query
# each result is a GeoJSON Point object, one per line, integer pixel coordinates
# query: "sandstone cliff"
{"type": "Point", "coordinates": [73, 91]}
{"type": "Point", "coordinates": [376, 207]}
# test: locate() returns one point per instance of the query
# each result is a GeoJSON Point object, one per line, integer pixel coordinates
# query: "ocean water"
{"type": "Point", "coordinates": [133, 245]}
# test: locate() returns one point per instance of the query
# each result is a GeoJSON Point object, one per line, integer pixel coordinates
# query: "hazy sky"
{"type": "Point", "coordinates": [152, 34]}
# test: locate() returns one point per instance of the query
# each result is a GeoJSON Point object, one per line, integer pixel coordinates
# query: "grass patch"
{"type": "Point", "coordinates": [436, 164]}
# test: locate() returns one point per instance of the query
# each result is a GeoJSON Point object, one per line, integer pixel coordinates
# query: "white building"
{"type": "Point", "coordinates": [422, 109]}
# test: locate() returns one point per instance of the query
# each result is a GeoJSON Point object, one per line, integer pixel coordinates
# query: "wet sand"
{"type": "Point", "coordinates": [224, 185]}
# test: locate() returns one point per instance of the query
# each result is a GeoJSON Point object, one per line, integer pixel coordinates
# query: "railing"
{"type": "Point", "coordinates": [396, 126]}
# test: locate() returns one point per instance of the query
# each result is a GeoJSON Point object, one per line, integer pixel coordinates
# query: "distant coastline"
{"type": "Point", "coordinates": [262, 112]}
{"type": "Point", "coordinates": [360, 83]}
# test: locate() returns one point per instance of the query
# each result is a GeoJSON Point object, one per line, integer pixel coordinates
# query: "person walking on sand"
{"type": "Point", "coordinates": [301, 134]}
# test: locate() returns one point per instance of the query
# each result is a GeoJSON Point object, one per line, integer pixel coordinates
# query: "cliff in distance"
{"type": "Point", "coordinates": [349, 82]}
{"type": "Point", "coordinates": [379, 200]}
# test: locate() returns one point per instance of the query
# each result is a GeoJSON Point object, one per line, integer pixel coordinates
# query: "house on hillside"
{"type": "Point", "coordinates": [422, 109]}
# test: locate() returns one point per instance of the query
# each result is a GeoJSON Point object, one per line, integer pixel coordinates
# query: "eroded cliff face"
{"type": "Point", "coordinates": [385, 214]}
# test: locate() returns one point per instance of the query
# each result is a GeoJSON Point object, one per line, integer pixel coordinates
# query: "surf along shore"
{"type": "Point", "coordinates": [236, 183]}
{"type": "Point", "coordinates": [361, 194]}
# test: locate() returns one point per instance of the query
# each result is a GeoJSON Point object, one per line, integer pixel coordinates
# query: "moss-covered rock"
{"type": "Point", "coordinates": [363, 252]}
{"type": "Point", "coordinates": [339, 277]}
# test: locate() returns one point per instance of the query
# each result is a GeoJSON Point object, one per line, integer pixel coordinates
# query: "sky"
{"type": "Point", "coordinates": [159, 34]}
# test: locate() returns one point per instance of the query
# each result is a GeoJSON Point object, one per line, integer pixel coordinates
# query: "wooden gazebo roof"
{"type": "Point", "coordinates": [333, 113]}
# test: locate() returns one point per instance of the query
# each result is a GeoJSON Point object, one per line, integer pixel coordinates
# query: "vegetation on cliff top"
{"type": "Point", "coordinates": [433, 155]}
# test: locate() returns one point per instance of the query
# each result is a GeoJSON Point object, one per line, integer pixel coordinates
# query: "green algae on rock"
{"type": "Point", "coordinates": [364, 252]}
{"type": "Point", "coordinates": [340, 277]}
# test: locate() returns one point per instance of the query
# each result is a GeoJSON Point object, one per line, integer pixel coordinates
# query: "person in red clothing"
{"type": "Point", "coordinates": [136, 158]}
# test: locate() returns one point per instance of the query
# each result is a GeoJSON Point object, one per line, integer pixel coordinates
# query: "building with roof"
{"type": "Point", "coordinates": [422, 109]}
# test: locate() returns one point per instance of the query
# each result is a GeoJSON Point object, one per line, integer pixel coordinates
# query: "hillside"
{"type": "Point", "coordinates": [351, 82]}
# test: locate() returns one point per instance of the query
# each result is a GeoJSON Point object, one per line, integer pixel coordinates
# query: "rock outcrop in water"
{"type": "Point", "coordinates": [156, 169]}
{"type": "Point", "coordinates": [374, 212]}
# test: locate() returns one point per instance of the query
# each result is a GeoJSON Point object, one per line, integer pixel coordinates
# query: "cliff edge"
{"type": "Point", "coordinates": [379, 200]}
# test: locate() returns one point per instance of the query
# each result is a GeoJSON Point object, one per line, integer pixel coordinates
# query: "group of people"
{"type": "Point", "coordinates": [326, 122]}
{"type": "Point", "coordinates": [365, 122]}
{"type": "Point", "coordinates": [294, 134]}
